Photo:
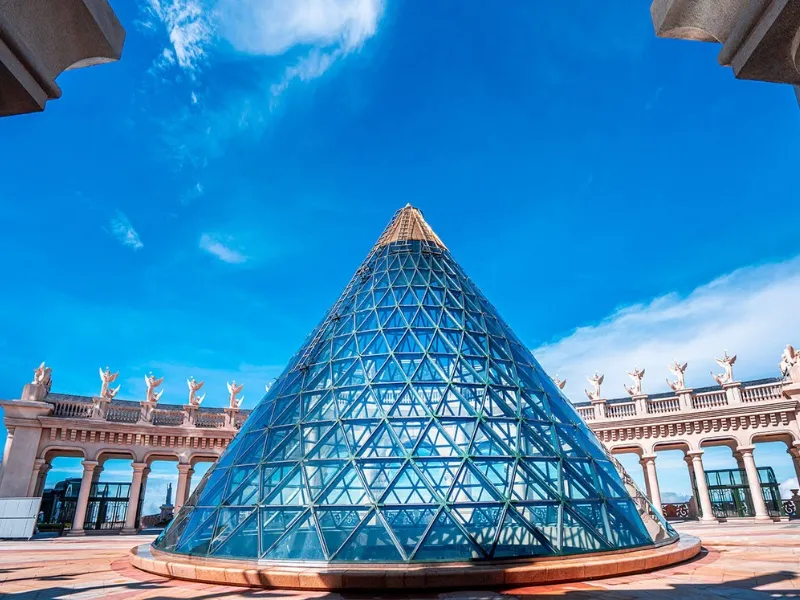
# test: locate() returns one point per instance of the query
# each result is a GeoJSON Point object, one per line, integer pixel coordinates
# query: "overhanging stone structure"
{"type": "Point", "coordinates": [760, 38]}
{"type": "Point", "coordinates": [40, 39]}
{"type": "Point", "coordinates": [42, 426]}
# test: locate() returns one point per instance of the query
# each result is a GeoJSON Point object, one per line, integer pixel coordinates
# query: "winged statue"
{"type": "Point", "coordinates": [42, 376]}
{"type": "Point", "coordinates": [678, 370]}
{"type": "Point", "coordinates": [726, 362]}
{"type": "Point", "coordinates": [233, 390]}
{"type": "Point", "coordinates": [194, 387]}
{"type": "Point", "coordinates": [636, 388]}
{"type": "Point", "coordinates": [107, 377]}
{"type": "Point", "coordinates": [596, 381]}
{"type": "Point", "coordinates": [152, 383]}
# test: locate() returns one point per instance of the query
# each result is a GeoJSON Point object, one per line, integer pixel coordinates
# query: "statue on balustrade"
{"type": "Point", "coordinates": [560, 383]}
{"type": "Point", "coordinates": [726, 362]}
{"type": "Point", "coordinates": [596, 381]}
{"type": "Point", "coordinates": [636, 388]}
{"type": "Point", "coordinates": [107, 377]}
{"type": "Point", "coordinates": [790, 364]}
{"type": "Point", "coordinates": [233, 390]}
{"type": "Point", "coordinates": [194, 387]}
{"type": "Point", "coordinates": [678, 370]}
{"type": "Point", "coordinates": [152, 383]}
{"type": "Point", "coordinates": [42, 376]}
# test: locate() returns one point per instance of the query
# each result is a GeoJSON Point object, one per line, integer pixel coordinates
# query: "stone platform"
{"type": "Point", "coordinates": [393, 577]}
{"type": "Point", "coordinates": [740, 561]}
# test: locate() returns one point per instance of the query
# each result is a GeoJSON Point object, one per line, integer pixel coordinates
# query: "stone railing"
{"type": "Point", "coordinates": [72, 408]}
{"type": "Point", "coordinates": [710, 399]}
{"type": "Point", "coordinates": [128, 411]}
{"type": "Point", "coordinates": [759, 393]}
{"type": "Point", "coordinates": [683, 401]}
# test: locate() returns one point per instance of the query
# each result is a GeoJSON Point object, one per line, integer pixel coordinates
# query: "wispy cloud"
{"type": "Point", "coordinates": [189, 30]}
{"type": "Point", "coordinates": [122, 229]}
{"type": "Point", "coordinates": [748, 312]}
{"type": "Point", "coordinates": [211, 244]}
{"type": "Point", "coordinates": [297, 41]}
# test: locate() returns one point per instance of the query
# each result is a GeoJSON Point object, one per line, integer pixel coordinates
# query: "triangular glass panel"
{"type": "Point", "coordinates": [446, 541]}
{"type": "Point", "coordinates": [481, 522]}
{"type": "Point", "coordinates": [300, 542]}
{"type": "Point", "coordinates": [372, 542]}
{"type": "Point", "coordinates": [409, 524]}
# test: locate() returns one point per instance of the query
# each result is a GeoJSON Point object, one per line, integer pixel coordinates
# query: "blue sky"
{"type": "Point", "coordinates": [194, 208]}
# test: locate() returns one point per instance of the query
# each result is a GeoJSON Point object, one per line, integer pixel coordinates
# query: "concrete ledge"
{"type": "Point", "coordinates": [416, 576]}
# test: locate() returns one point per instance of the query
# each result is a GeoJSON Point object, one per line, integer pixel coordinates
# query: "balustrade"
{"type": "Point", "coordinates": [212, 420]}
{"type": "Point", "coordinates": [662, 406]}
{"type": "Point", "coordinates": [710, 399]}
{"type": "Point", "coordinates": [169, 418]}
{"type": "Point", "coordinates": [706, 400]}
{"type": "Point", "coordinates": [759, 393]}
{"type": "Point", "coordinates": [122, 414]}
{"type": "Point", "coordinates": [621, 410]}
{"type": "Point", "coordinates": [72, 409]}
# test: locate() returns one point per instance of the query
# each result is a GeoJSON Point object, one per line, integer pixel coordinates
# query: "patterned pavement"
{"type": "Point", "coordinates": [742, 561]}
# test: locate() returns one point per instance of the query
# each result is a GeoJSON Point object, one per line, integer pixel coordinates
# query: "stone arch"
{"type": "Point", "coordinates": [637, 449]}
{"type": "Point", "coordinates": [787, 437]}
{"type": "Point", "coordinates": [160, 454]}
{"type": "Point", "coordinates": [104, 454]}
{"type": "Point", "coordinates": [51, 452]}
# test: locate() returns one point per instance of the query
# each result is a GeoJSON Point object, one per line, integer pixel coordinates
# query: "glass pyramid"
{"type": "Point", "coordinates": [412, 426]}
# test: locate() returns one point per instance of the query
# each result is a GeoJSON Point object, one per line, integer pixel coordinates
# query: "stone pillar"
{"type": "Point", "coordinates": [733, 393]}
{"type": "Point", "coordinates": [7, 448]}
{"type": "Point", "coordinates": [652, 479]}
{"type": "Point", "coordinates": [756, 496]}
{"type": "Point", "coordinates": [185, 472]}
{"type": "Point", "coordinates": [79, 519]}
{"type": "Point", "coordinates": [133, 500]}
{"type": "Point", "coordinates": [640, 400]}
{"type": "Point", "coordinates": [643, 464]}
{"type": "Point", "coordinates": [737, 456]}
{"type": "Point", "coordinates": [695, 457]}
{"type": "Point", "coordinates": [794, 452]}
{"type": "Point", "coordinates": [230, 417]}
{"type": "Point", "coordinates": [22, 447]}
{"type": "Point", "coordinates": [34, 482]}
{"type": "Point", "coordinates": [39, 489]}
{"type": "Point", "coordinates": [97, 472]}
{"type": "Point", "coordinates": [685, 399]}
{"type": "Point", "coordinates": [599, 409]}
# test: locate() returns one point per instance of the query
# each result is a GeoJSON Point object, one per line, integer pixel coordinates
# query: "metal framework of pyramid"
{"type": "Point", "coordinates": [412, 426]}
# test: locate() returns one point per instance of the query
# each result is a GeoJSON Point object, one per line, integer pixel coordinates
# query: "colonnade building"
{"type": "Point", "coordinates": [43, 426]}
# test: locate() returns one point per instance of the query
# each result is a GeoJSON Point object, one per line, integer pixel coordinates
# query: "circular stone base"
{"type": "Point", "coordinates": [415, 576]}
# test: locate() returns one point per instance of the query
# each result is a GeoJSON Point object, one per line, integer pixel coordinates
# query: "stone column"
{"type": "Point", "coordinates": [7, 448]}
{"type": "Point", "coordinates": [185, 472]}
{"type": "Point", "coordinates": [133, 500]}
{"type": "Point", "coordinates": [652, 479]}
{"type": "Point", "coordinates": [755, 484]}
{"type": "Point", "coordinates": [794, 452]}
{"type": "Point", "coordinates": [696, 458]}
{"type": "Point", "coordinates": [97, 472]}
{"type": "Point", "coordinates": [737, 456]}
{"type": "Point", "coordinates": [39, 489]}
{"type": "Point", "coordinates": [643, 464]}
{"type": "Point", "coordinates": [34, 482]}
{"type": "Point", "coordinates": [83, 498]}
{"type": "Point", "coordinates": [22, 447]}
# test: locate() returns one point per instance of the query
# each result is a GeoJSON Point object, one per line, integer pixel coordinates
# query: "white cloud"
{"type": "Point", "coordinates": [787, 486]}
{"type": "Point", "coordinates": [271, 27]}
{"type": "Point", "coordinates": [123, 230]}
{"type": "Point", "coordinates": [212, 245]}
{"type": "Point", "coordinates": [188, 27]}
{"type": "Point", "coordinates": [749, 312]}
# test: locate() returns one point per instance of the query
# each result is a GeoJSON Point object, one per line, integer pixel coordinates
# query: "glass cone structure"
{"type": "Point", "coordinates": [412, 426]}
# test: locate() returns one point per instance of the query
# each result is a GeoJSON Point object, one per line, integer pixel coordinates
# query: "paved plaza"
{"type": "Point", "coordinates": [741, 560]}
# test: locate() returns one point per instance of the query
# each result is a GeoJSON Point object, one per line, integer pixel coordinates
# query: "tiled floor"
{"type": "Point", "coordinates": [742, 561]}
